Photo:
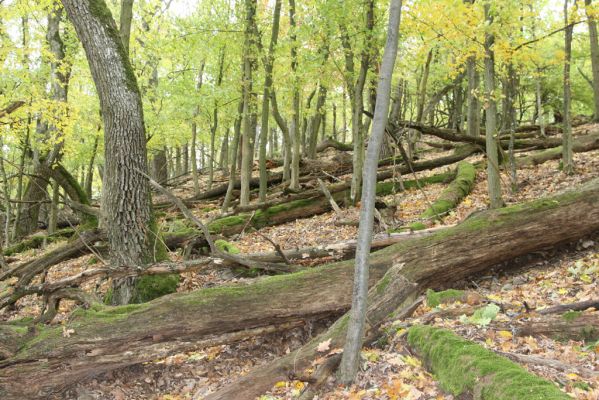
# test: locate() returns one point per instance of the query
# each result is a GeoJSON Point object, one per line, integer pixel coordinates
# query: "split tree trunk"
{"type": "Point", "coordinates": [114, 337]}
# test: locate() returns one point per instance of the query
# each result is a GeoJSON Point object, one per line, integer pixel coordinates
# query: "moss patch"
{"type": "Point", "coordinates": [571, 315]}
{"type": "Point", "coordinates": [36, 241]}
{"type": "Point", "coordinates": [458, 189]}
{"type": "Point", "coordinates": [462, 367]}
{"type": "Point", "coordinates": [226, 247]}
{"type": "Point", "coordinates": [434, 299]}
{"type": "Point", "coordinates": [150, 287]}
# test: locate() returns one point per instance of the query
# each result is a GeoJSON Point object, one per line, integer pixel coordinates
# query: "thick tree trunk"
{"type": "Point", "coordinates": [111, 338]}
{"type": "Point", "coordinates": [126, 198]}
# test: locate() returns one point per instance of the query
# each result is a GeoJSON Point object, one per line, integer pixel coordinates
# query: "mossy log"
{"type": "Point", "coordinates": [465, 368]}
{"type": "Point", "coordinates": [480, 243]}
{"type": "Point", "coordinates": [581, 144]}
{"type": "Point", "coordinates": [451, 196]}
{"type": "Point", "coordinates": [45, 362]}
{"type": "Point", "coordinates": [334, 144]}
{"type": "Point", "coordinates": [37, 240]}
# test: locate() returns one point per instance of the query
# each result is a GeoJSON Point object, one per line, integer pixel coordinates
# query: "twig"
{"type": "Point", "coordinates": [277, 247]}
{"type": "Point", "coordinates": [330, 198]}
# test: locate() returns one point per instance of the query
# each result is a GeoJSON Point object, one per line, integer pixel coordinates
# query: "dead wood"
{"type": "Point", "coordinates": [114, 337]}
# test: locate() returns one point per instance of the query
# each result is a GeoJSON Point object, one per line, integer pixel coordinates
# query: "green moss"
{"type": "Point", "coordinates": [571, 315]}
{"type": "Point", "coordinates": [456, 191]}
{"type": "Point", "coordinates": [434, 299]}
{"type": "Point", "coordinates": [99, 9]}
{"type": "Point", "coordinates": [36, 241]}
{"type": "Point", "coordinates": [221, 225]}
{"type": "Point", "coordinates": [262, 217]}
{"type": "Point", "coordinates": [383, 283]}
{"type": "Point", "coordinates": [226, 247]}
{"type": "Point", "coordinates": [464, 367]}
{"type": "Point", "coordinates": [417, 226]}
{"type": "Point", "coordinates": [387, 188]}
{"type": "Point", "coordinates": [150, 287]}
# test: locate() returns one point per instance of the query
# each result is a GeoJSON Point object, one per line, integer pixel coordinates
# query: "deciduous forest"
{"type": "Point", "coordinates": [299, 199]}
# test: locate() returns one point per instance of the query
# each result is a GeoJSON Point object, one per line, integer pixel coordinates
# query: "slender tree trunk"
{"type": "Point", "coordinates": [214, 125]}
{"type": "Point", "coordinates": [355, 330]}
{"type": "Point", "coordinates": [494, 182]}
{"type": "Point", "coordinates": [129, 230]}
{"type": "Point", "coordinates": [287, 142]}
{"type": "Point", "coordinates": [248, 134]}
{"type": "Point", "coordinates": [594, 43]}
{"type": "Point", "coordinates": [185, 151]}
{"type": "Point", "coordinates": [223, 161]}
{"type": "Point", "coordinates": [53, 217]}
{"type": "Point", "coordinates": [89, 179]}
{"type": "Point", "coordinates": [473, 128]}
{"type": "Point", "coordinates": [233, 158]}
{"type": "Point", "coordinates": [194, 134]}
{"type": "Point", "coordinates": [358, 106]}
{"type": "Point", "coordinates": [160, 166]}
{"type": "Point", "coordinates": [567, 157]}
{"type": "Point", "coordinates": [294, 127]}
{"type": "Point", "coordinates": [268, 67]}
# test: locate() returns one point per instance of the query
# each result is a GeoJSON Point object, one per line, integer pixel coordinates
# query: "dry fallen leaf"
{"type": "Point", "coordinates": [324, 346]}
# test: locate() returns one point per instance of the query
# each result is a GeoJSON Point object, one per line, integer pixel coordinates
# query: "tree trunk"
{"type": "Point", "coordinates": [116, 337]}
{"type": "Point", "coordinates": [358, 104]}
{"type": "Point", "coordinates": [355, 330]}
{"type": "Point", "coordinates": [294, 128]}
{"type": "Point", "coordinates": [594, 44]}
{"type": "Point", "coordinates": [567, 158]}
{"type": "Point", "coordinates": [129, 227]}
{"type": "Point", "coordinates": [248, 132]}
{"type": "Point", "coordinates": [125, 23]}
{"type": "Point", "coordinates": [268, 67]}
{"type": "Point", "coordinates": [194, 135]}
{"type": "Point", "coordinates": [160, 166]}
{"type": "Point", "coordinates": [493, 177]}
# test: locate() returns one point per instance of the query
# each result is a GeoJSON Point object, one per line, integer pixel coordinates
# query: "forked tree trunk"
{"type": "Point", "coordinates": [115, 337]}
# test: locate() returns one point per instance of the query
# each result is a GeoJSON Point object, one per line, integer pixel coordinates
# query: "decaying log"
{"type": "Point", "coordinates": [574, 325]}
{"type": "Point", "coordinates": [113, 337]}
{"type": "Point", "coordinates": [580, 144]}
{"type": "Point", "coordinates": [335, 144]}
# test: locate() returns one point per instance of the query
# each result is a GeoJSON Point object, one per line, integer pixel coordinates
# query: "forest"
{"type": "Point", "coordinates": [299, 199]}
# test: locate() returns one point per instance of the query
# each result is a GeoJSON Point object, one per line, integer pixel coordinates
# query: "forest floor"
{"type": "Point", "coordinates": [565, 275]}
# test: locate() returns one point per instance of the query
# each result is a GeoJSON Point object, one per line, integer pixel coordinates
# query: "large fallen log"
{"type": "Point", "coordinates": [43, 361]}
{"type": "Point", "coordinates": [478, 244]}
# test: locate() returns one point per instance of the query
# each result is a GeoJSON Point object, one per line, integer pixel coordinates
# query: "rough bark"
{"type": "Point", "coordinates": [126, 199]}
{"type": "Point", "coordinates": [118, 336]}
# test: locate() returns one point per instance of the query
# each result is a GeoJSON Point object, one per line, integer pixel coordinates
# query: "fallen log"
{"type": "Point", "coordinates": [45, 362]}
{"type": "Point", "coordinates": [580, 144]}
{"type": "Point", "coordinates": [451, 196]}
{"type": "Point", "coordinates": [463, 367]}
{"type": "Point", "coordinates": [454, 136]}
{"type": "Point", "coordinates": [478, 244]}
{"type": "Point", "coordinates": [573, 325]}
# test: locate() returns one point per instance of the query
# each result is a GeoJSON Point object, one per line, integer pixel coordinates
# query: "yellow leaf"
{"type": "Point", "coordinates": [281, 384]}
{"type": "Point", "coordinates": [505, 334]}
{"type": "Point", "coordinates": [573, 376]}
{"type": "Point", "coordinates": [414, 362]}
